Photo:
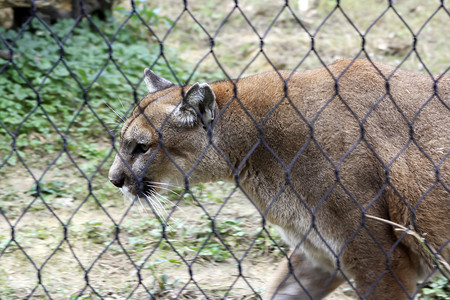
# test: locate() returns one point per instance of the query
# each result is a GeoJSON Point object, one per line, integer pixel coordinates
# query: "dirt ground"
{"type": "Point", "coordinates": [108, 260]}
{"type": "Point", "coordinates": [111, 264]}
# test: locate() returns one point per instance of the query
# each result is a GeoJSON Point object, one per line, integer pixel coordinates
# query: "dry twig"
{"type": "Point", "coordinates": [438, 259]}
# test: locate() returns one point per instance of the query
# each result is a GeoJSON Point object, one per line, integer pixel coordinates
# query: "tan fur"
{"type": "Point", "coordinates": [369, 175]}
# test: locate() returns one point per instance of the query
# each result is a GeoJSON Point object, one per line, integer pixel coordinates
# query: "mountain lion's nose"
{"type": "Point", "coordinates": [118, 183]}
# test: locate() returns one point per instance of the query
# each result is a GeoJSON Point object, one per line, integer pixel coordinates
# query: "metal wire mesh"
{"type": "Point", "coordinates": [192, 287]}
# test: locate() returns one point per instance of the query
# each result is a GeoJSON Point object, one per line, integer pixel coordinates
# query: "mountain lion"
{"type": "Point", "coordinates": [317, 152]}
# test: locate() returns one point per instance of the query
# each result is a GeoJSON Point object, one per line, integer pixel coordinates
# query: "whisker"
{"type": "Point", "coordinates": [164, 183]}
{"type": "Point", "coordinates": [157, 200]}
{"type": "Point", "coordinates": [161, 198]}
{"type": "Point", "coordinates": [165, 218]}
{"type": "Point", "coordinates": [156, 203]}
{"type": "Point", "coordinates": [165, 200]}
{"type": "Point", "coordinates": [152, 205]}
{"type": "Point", "coordinates": [123, 107]}
{"type": "Point", "coordinates": [158, 208]}
{"type": "Point", "coordinates": [139, 199]}
{"type": "Point", "coordinates": [170, 190]}
{"type": "Point", "coordinates": [117, 114]}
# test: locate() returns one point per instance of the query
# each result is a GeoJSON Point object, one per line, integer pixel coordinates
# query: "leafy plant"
{"type": "Point", "coordinates": [161, 281]}
{"type": "Point", "coordinates": [439, 289]}
{"type": "Point", "coordinates": [54, 187]}
{"type": "Point", "coordinates": [198, 239]}
{"type": "Point", "coordinates": [6, 291]}
{"type": "Point", "coordinates": [63, 83]}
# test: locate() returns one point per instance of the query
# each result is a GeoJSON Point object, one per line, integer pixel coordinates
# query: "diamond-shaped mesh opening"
{"type": "Point", "coordinates": [331, 178]}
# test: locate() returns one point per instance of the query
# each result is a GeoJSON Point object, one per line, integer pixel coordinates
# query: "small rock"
{"type": "Point", "coordinates": [66, 202]}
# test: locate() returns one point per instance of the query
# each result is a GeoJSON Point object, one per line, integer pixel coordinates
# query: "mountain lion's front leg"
{"type": "Point", "coordinates": [315, 282]}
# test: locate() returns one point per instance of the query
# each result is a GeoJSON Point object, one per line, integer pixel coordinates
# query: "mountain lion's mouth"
{"type": "Point", "coordinates": [126, 192]}
{"type": "Point", "coordinates": [151, 198]}
{"type": "Point", "coordinates": [148, 188]}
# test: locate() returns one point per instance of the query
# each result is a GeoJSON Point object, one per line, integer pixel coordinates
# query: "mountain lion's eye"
{"type": "Point", "coordinates": [143, 147]}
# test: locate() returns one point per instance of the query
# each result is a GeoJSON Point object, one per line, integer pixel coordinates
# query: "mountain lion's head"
{"type": "Point", "coordinates": [166, 139]}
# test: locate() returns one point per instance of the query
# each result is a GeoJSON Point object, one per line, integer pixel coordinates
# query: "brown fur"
{"type": "Point", "coordinates": [369, 175]}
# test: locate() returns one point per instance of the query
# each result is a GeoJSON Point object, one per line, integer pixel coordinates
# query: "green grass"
{"type": "Point", "coordinates": [438, 288]}
{"type": "Point", "coordinates": [69, 95]}
{"type": "Point", "coordinates": [72, 85]}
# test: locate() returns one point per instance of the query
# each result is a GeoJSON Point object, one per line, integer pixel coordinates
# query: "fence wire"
{"type": "Point", "coordinates": [192, 288]}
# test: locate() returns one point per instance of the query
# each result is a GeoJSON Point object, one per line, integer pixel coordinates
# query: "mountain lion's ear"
{"type": "Point", "coordinates": [199, 98]}
{"type": "Point", "coordinates": [154, 82]}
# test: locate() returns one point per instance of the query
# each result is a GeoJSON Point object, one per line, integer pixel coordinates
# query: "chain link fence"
{"type": "Point", "coordinates": [67, 88]}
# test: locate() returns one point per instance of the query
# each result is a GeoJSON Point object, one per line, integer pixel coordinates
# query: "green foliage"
{"type": "Point", "coordinates": [6, 291]}
{"type": "Point", "coordinates": [60, 80]}
{"type": "Point", "coordinates": [437, 289]}
{"type": "Point", "coordinates": [94, 231]}
{"type": "Point", "coordinates": [200, 240]}
{"type": "Point", "coordinates": [161, 281]}
{"type": "Point", "coordinates": [55, 188]}
{"type": "Point", "coordinates": [139, 235]}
